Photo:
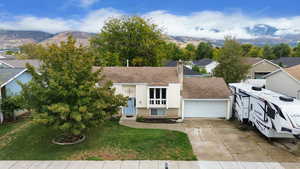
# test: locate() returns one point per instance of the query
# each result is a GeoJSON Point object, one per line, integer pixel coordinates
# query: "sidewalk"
{"type": "Point", "coordinates": [144, 165]}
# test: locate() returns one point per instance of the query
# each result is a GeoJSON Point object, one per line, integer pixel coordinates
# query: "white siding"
{"type": "Point", "coordinates": [125, 90]}
{"type": "Point", "coordinates": [118, 88]}
{"type": "Point", "coordinates": [141, 96]}
{"type": "Point", "coordinates": [210, 67]}
{"type": "Point", "coordinates": [281, 82]}
{"type": "Point", "coordinates": [173, 95]}
{"type": "Point", "coordinates": [140, 92]}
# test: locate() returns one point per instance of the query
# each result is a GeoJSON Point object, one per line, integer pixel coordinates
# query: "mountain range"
{"type": "Point", "coordinates": [262, 34]}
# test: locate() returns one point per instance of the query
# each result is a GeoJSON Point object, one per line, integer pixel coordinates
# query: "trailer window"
{"type": "Point", "coordinates": [266, 113]}
{"type": "Point", "coordinates": [251, 107]}
{"type": "Point", "coordinates": [270, 111]}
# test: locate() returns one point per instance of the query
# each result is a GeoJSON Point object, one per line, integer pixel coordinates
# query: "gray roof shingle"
{"type": "Point", "coordinates": [287, 61]}
{"type": "Point", "coordinates": [203, 62]}
{"type": "Point", "coordinates": [8, 73]}
{"type": "Point", "coordinates": [18, 63]}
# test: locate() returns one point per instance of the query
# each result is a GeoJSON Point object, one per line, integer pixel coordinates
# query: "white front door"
{"type": "Point", "coordinates": [205, 108]}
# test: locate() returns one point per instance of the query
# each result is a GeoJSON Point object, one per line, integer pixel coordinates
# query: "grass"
{"type": "Point", "coordinates": [10, 126]}
{"type": "Point", "coordinates": [110, 141]}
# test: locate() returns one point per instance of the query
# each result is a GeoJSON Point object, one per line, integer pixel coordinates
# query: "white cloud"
{"type": "Point", "coordinates": [205, 24]}
{"type": "Point", "coordinates": [87, 3]}
{"type": "Point", "coordinates": [95, 20]}
{"type": "Point", "coordinates": [38, 23]}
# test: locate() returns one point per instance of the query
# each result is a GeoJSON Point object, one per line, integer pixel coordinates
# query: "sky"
{"type": "Point", "coordinates": [198, 18]}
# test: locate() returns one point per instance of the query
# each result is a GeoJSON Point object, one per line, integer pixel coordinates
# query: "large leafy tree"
{"type": "Point", "coordinates": [231, 67]}
{"type": "Point", "coordinates": [255, 51]}
{"type": "Point", "coordinates": [66, 94]}
{"type": "Point", "coordinates": [190, 51]}
{"type": "Point", "coordinates": [129, 38]}
{"type": "Point", "coordinates": [282, 50]}
{"type": "Point", "coordinates": [296, 51]}
{"type": "Point", "coordinates": [204, 50]}
{"type": "Point", "coordinates": [174, 52]}
{"type": "Point", "coordinates": [268, 52]}
{"type": "Point", "coordinates": [31, 51]}
{"type": "Point", "coordinates": [246, 48]}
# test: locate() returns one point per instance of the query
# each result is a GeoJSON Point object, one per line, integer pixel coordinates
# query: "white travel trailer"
{"type": "Point", "coordinates": [273, 114]}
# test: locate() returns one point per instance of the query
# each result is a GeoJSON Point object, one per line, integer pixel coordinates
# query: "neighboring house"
{"type": "Point", "coordinates": [9, 86]}
{"type": "Point", "coordinates": [287, 61]}
{"type": "Point", "coordinates": [6, 57]}
{"type": "Point", "coordinates": [208, 64]}
{"type": "Point", "coordinates": [9, 78]}
{"type": "Point", "coordinates": [20, 63]}
{"type": "Point", "coordinates": [285, 81]}
{"type": "Point", "coordinates": [187, 68]}
{"type": "Point", "coordinates": [259, 67]}
{"type": "Point", "coordinates": [164, 92]}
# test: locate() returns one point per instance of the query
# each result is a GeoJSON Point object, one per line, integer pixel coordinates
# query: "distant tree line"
{"type": "Point", "coordinates": [142, 43]}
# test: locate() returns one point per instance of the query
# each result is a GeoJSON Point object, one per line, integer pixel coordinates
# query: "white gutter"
{"type": "Point", "coordinates": [13, 78]}
{"type": "Point", "coordinates": [7, 64]}
{"type": "Point", "coordinates": [209, 99]}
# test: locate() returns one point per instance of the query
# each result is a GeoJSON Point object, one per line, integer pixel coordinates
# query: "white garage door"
{"type": "Point", "coordinates": [205, 108]}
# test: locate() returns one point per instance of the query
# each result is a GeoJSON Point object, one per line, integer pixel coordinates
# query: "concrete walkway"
{"type": "Point", "coordinates": [144, 165]}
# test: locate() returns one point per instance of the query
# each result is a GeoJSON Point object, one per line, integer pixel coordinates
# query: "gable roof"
{"type": "Point", "coordinates": [287, 61]}
{"type": "Point", "coordinates": [150, 75]}
{"type": "Point", "coordinates": [251, 61]}
{"type": "Point", "coordinates": [18, 63]}
{"type": "Point", "coordinates": [7, 74]}
{"type": "Point", "coordinates": [203, 62]}
{"type": "Point", "coordinates": [294, 71]}
{"type": "Point", "coordinates": [205, 88]}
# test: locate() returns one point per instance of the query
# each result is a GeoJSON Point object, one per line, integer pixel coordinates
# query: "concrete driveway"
{"type": "Point", "coordinates": [221, 140]}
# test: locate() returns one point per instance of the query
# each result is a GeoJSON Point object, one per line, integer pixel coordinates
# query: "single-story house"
{"type": "Point", "coordinates": [164, 92]}
{"type": "Point", "coordinates": [19, 63]}
{"type": "Point", "coordinates": [285, 81]}
{"type": "Point", "coordinates": [287, 62]}
{"type": "Point", "coordinates": [208, 64]}
{"type": "Point", "coordinates": [259, 67]}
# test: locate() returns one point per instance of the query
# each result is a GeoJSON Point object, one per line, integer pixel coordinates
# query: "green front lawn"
{"type": "Point", "coordinates": [10, 126]}
{"type": "Point", "coordinates": [108, 142]}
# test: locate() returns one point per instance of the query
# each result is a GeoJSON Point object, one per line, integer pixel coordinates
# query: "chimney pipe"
{"type": "Point", "coordinates": [180, 72]}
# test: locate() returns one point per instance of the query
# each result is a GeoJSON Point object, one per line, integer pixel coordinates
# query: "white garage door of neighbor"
{"type": "Point", "coordinates": [205, 108]}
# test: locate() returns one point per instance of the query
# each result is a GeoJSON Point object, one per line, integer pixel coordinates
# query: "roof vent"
{"type": "Point", "coordinates": [286, 99]}
{"type": "Point", "coordinates": [256, 88]}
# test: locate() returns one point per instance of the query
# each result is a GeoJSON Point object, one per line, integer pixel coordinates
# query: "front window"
{"type": "Point", "coordinates": [157, 112]}
{"type": "Point", "coordinates": [158, 96]}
